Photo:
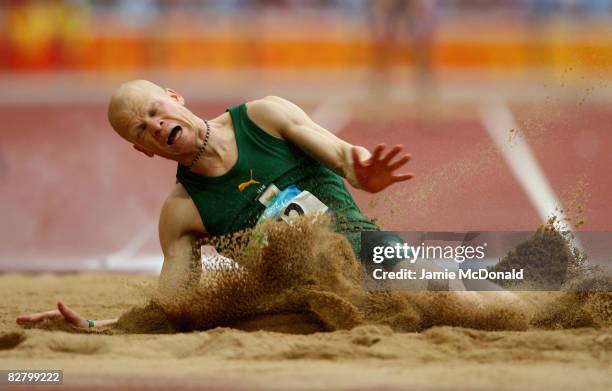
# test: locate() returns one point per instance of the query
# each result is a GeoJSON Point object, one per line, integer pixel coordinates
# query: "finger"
{"type": "Point", "coordinates": [71, 316]}
{"type": "Point", "coordinates": [356, 161]}
{"type": "Point", "coordinates": [29, 319]}
{"type": "Point", "coordinates": [377, 152]}
{"type": "Point", "coordinates": [24, 319]}
{"type": "Point", "coordinates": [404, 159]}
{"type": "Point", "coordinates": [392, 153]}
{"type": "Point", "coordinates": [402, 177]}
{"type": "Point", "coordinates": [35, 318]}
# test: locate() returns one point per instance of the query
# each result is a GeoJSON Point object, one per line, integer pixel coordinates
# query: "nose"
{"type": "Point", "coordinates": [155, 127]}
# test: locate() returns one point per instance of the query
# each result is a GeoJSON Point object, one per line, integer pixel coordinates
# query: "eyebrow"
{"type": "Point", "coordinates": [135, 128]}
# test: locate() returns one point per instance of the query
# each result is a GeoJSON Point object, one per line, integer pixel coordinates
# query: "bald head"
{"type": "Point", "coordinates": [155, 120]}
{"type": "Point", "coordinates": [128, 99]}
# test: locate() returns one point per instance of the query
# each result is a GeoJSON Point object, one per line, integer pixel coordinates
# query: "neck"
{"type": "Point", "coordinates": [219, 154]}
{"type": "Point", "coordinates": [204, 144]}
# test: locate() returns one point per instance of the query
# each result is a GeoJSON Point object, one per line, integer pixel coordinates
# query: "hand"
{"type": "Point", "coordinates": [62, 311]}
{"type": "Point", "coordinates": [376, 173]}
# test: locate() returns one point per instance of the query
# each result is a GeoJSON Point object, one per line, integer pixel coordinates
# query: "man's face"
{"type": "Point", "coordinates": [154, 120]}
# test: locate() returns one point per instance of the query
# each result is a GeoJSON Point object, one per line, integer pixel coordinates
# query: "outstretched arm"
{"type": "Point", "coordinates": [181, 267]}
{"type": "Point", "coordinates": [371, 172]}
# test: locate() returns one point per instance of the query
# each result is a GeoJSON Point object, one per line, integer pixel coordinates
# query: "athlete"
{"type": "Point", "coordinates": [226, 164]}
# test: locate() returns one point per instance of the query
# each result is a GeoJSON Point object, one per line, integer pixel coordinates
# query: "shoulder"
{"type": "Point", "coordinates": [179, 216]}
{"type": "Point", "coordinates": [273, 114]}
{"type": "Point", "coordinates": [270, 104]}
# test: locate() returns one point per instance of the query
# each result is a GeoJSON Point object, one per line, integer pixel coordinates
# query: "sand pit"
{"type": "Point", "coordinates": [395, 340]}
{"type": "Point", "coordinates": [310, 272]}
{"type": "Point", "coordinates": [362, 358]}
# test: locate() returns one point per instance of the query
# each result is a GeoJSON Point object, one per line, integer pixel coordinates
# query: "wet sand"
{"type": "Point", "coordinates": [364, 357]}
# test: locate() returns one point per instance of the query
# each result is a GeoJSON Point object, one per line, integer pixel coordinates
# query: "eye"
{"type": "Point", "coordinates": [153, 109]}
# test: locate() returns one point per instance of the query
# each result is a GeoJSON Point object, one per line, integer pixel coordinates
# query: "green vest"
{"type": "Point", "coordinates": [225, 208]}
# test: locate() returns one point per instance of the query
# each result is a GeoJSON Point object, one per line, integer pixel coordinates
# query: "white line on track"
{"type": "Point", "coordinates": [125, 259]}
{"type": "Point", "coordinates": [333, 114]}
{"type": "Point", "coordinates": [498, 120]}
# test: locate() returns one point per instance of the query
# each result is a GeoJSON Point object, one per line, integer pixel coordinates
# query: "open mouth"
{"type": "Point", "coordinates": [174, 133]}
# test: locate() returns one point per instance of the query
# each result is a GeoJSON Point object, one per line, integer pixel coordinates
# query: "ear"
{"type": "Point", "coordinates": [143, 150]}
{"type": "Point", "coordinates": [175, 95]}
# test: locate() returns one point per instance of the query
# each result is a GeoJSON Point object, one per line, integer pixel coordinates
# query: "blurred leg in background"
{"type": "Point", "coordinates": [384, 17]}
{"type": "Point", "coordinates": [403, 33]}
{"type": "Point", "coordinates": [421, 16]}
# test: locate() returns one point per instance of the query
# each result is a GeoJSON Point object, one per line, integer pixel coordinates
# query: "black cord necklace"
{"type": "Point", "coordinates": [203, 147]}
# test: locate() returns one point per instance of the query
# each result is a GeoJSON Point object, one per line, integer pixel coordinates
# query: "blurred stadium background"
{"type": "Point", "coordinates": [448, 79]}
